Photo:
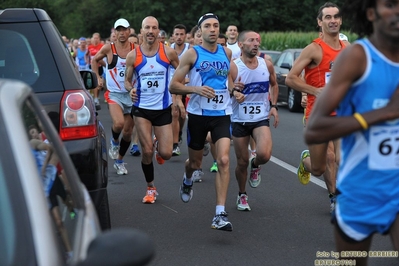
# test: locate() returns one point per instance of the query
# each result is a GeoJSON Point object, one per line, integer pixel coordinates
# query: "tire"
{"type": "Point", "coordinates": [294, 101]}
{"type": "Point", "coordinates": [104, 216]}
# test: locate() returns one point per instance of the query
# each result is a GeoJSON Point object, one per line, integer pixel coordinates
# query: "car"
{"type": "Point", "coordinates": [32, 51]}
{"type": "Point", "coordinates": [286, 94]}
{"type": "Point", "coordinates": [47, 217]}
{"type": "Point", "coordinates": [273, 54]}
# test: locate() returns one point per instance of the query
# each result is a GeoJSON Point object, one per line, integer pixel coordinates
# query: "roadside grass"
{"type": "Point", "coordinates": [279, 41]}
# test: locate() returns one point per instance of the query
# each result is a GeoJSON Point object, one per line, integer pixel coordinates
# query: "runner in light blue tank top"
{"type": "Point", "coordinates": [364, 91]}
{"type": "Point", "coordinates": [370, 154]}
{"type": "Point", "coordinates": [212, 69]}
{"type": "Point", "coordinates": [208, 110]}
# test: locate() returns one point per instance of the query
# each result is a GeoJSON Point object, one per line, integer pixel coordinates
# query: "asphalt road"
{"type": "Point", "coordinates": [289, 223]}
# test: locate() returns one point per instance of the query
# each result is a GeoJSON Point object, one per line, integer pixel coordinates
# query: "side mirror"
{"type": "Point", "coordinates": [120, 247]}
{"type": "Point", "coordinates": [89, 79]}
{"type": "Point", "coordinates": [286, 66]}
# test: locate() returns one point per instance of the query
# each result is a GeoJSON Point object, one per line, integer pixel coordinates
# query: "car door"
{"type": "Point", "coordinates": [66, 202]}
{"type": "Point", "coordinates": [281, 74]}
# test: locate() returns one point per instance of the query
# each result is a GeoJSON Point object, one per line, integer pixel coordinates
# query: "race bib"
{"type": "Point", "coordinates": [252, 110]}
{"type": "Point", "coordinates": [327, 78]}
{"type": "Point", "coordinates": [153, 82]}
{"type": "Point", "coordinates": [384, 148]}
{"type": "Point", "coordinates": [120, 78]}
{"type": "Point", "coordinates": [219, 102]}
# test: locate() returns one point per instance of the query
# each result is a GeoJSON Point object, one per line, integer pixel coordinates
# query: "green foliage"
{"type": "Point", "coordinates": [75, 18]}
{"type": "Point", "coordinates": [279, 41]}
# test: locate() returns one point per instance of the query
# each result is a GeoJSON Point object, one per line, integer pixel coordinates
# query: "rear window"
{"type": "Point", "coordinates": [25, 55]}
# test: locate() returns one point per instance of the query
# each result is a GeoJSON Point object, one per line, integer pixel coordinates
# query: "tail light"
{"type": "Point", "coordinates": [78, 117]}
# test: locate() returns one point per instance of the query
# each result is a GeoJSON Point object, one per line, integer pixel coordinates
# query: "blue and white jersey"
{"type": "Point", "coordinates": [80, 59]}
{"type": "Point", "coordinates": [370, 158]}
{"type": "Point", "coordinates": [152, 80]}
{"type": "Point", "coordinates": [210, 69]}
{"type": "Point", "coordinates": [256, 90]}
{"type": "Point", "coordinates": [50, 173]}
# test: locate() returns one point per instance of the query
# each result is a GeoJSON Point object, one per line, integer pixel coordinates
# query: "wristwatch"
{"type": "Point", "coordinates": [274, 106]}
{"type": "Point", "coordinates": [233, 90]}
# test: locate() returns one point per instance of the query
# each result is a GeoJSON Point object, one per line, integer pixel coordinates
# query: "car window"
{"type": "Point", "coordinates": [25, 55]}
{"type": "Point", "coordinates": [16, 58]}
{"type": "Point", "coordinates": [288, 59]}
{"type": "Point", "coordinates": [16, 246]}
{"type": "Point", "coordinates": [281, 59]}
{"type": "Point", "coordinates": [56, 184]}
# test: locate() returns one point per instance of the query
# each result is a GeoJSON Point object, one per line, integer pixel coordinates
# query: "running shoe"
{"type": "Point", "coordinates": [214, 167]}
{"type": "Point", "coordinates": [303, 175]}
{"type": "Point", "coordinates": [151, 195]}
{"type": "Point", "coordinates": [186, 192]}
{"type": "Point", "coordinates": [197, 175]}
{"type": "Point", "coordinates": [134, 150]}
{"type": "Point", "coordinates": [252, 155]}
{"type": "Point", "coordinates": [120, 168]}
{"type": "Point", "coordinates": [207, 148]}
{"type": "Point", "coordinates": [158, 157]}
{"type": "Point", "coordinates": [220, 222]}
{"type": "Point", "coordinates": [242, 203]}
{"type": "Point", "coordinates": [176, 151]}
{"type": "Point", "coordinates": [113, 150]}
{"type": "Point", "coordinates": [254, 177]}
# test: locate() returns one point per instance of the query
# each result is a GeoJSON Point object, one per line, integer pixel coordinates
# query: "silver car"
{"type": "Point", "coordinates": [46, 214]}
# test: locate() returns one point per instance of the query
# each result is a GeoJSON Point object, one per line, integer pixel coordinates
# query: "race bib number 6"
{"type": "Point", "coordinates": [384, 148]}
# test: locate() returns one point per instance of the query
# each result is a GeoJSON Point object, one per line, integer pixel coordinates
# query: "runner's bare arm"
{"type": "Point", "coordinates": [130, 59]}
{"type": "Point", "coordinates": [294, 80]}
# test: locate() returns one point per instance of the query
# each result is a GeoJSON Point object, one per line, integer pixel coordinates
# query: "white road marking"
{"type": "Point", "coordinates": [293, 169]}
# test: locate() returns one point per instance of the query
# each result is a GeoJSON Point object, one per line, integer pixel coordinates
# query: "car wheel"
{"type": "Point", "coordinates": [103, 213]}
{"type": "Point", "coordinates": [294, 101]}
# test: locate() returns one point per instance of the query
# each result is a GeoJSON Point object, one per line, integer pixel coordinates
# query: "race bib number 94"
{"type": "Point", "coordinates": [384, 148]}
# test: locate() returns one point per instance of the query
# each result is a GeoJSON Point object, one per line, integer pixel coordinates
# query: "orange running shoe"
{"type": "Point", "coordinates": [158, 157]}
{"type": "Point", "coordinates": [151, 195]}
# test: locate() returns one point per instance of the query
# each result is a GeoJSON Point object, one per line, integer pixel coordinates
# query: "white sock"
{"type": "Point", "coordinates": [219, 209]}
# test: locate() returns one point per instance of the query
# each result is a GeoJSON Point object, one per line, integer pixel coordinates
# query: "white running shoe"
{"type": "Point", "coordinates": [242, 203]}
{"type": "Point", "coordinates": [120, 168]}
{"type": "Point", "coordinates": [113, 150]}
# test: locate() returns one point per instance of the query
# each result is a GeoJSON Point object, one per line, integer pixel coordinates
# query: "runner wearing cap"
{"type": "Point", "coordinates": [117, 96]}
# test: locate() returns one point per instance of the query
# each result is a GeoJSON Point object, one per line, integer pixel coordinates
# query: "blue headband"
{"type": "Point", "coordinates": [205, 17]}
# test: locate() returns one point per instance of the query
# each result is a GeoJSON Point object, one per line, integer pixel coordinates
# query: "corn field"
{"type": "Point", "coordinates": [279, 41]}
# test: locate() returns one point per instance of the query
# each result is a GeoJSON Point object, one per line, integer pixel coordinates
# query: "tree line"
{"type": "Point", "coordinates": [75, 18]}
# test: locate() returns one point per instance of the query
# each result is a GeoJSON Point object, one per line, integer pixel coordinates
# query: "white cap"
{"type": "Point", "coordinates": [343, 37]}
{"type": "Point", "coordinates": [121, 22]}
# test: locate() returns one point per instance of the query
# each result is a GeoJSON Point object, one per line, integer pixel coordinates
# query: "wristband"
{"type": "Point", "coordinates": [274, 106]}
{"type": "Point", "coordinates": [361, 120]}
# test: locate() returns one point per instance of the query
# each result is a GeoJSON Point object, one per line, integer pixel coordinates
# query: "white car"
{"type": "Point", "coordinates": [46, 214]}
